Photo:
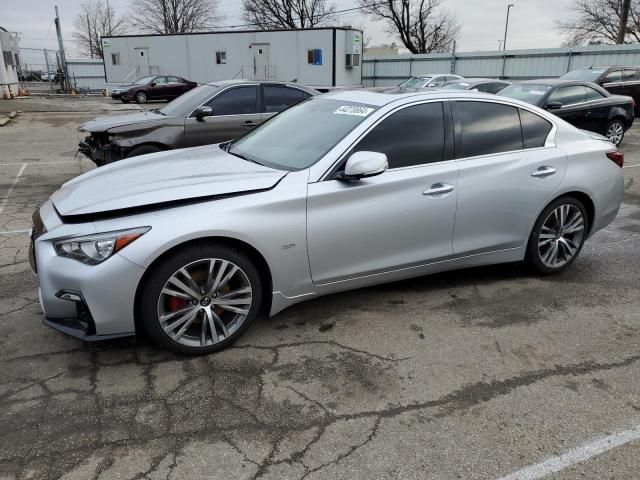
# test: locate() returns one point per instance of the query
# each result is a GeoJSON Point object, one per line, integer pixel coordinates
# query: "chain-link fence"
{"type": "Point", "coordinates": [40, 71]}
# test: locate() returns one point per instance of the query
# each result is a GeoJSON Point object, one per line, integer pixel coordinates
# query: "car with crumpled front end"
{"type": "Point", "coordinates": [210, 113]}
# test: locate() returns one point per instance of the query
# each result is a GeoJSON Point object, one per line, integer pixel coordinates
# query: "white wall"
{"type": "Point", "coordinates": [194, 56]}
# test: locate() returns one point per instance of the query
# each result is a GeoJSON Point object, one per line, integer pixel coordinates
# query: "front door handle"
{"type": "Point", "coordinates": [249, 124]}
{"type": "Point", "coordinates": [438, 189]}
{"type": "Point", "coordinates": [543, 172]}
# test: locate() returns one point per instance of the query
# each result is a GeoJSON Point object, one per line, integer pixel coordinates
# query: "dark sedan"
{"type": "Point", "coordinates": [156, 87]}
{"type": "Point", "coordinates": [210, 113]}
{"type": "Point", "coordinates": [616, 80]}
{"type": "Point", "coordinates": [484, 85]}
{"type": "Point", "coordinates": [584, 105]}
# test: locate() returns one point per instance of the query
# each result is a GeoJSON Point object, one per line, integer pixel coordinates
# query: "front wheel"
{"type": "Point", "coordinates": [558, 236]}
{"type": "Point", "coordinates": [201, 299]}
{"type": "Point", "coordinates": [615, 132]}
{"type": "Point", "coordinates": [141, 97]}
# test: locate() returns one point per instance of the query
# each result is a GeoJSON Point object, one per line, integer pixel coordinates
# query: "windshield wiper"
{"type": "Point", "coordinates": [239, 155]}
{"type": "Point", "coordinates": [157, 110]}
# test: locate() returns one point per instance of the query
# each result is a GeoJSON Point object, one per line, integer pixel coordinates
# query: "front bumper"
{"type": "Point", "coordinates": [116, 95]}
{"type": "Point", "coordinates": [102, 304]}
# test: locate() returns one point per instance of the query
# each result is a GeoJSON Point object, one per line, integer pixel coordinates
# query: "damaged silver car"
{"type": "Point", "coordinates": [211, 113]}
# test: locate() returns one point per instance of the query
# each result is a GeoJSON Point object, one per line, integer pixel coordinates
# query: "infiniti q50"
{"type": "Point", "coordinates": [339, 192]}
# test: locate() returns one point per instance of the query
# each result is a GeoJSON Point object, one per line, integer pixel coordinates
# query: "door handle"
{"type": "Point", "coordinates": [543, 172]}
{"type": "Point", "coordinates": [249, 124]}
{"type": "Point", "coordinates": [438, 189]}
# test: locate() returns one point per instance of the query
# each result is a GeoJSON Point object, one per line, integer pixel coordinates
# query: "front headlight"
{"type": "Point", "coordinates": [96, 248]}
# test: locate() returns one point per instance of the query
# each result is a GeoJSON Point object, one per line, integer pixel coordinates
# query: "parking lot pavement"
{"type": "Point", "coordinates": [475, 374]}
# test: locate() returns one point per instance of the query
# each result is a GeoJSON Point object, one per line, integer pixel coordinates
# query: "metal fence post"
{"type": "Point", "coordinates": [374, 71]}
{"type": "Point", "coordinates": [569, 62]}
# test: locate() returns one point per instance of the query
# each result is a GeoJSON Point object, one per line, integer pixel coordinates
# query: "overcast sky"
{"type": "Point", "coordinates": [531, 23]}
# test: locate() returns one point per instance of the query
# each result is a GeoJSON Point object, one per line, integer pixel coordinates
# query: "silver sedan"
{"type": "Point", "coordinates": [339, 192]}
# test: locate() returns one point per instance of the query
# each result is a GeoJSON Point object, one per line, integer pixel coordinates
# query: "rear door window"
{"type": "Point", "coordinates": [236, 101]}
{"type": "Point", "coordinates": [535, 129]}
{"type": "Point", "coordinates": [411, 136]}
{"type": "Point", "coordinates": [629, 75]}
{"type": "Point", "coordinates": [593, 94]}
{"type": "Point", "coordinates": [569, 95]}
{"type": "Point", "coordinates": [487, 128]}
{"type": "Point", "coordinates": [277, 98]}
{"type": "Point", "coordinates": [613, 76]}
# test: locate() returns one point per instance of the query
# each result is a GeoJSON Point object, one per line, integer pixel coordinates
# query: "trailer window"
{"type": "Point", "coordinates": [314, 56]}
{"type": "Point", "coordinates": [115, 59]}
{"type": "Point", "coordinates": [221, 58]}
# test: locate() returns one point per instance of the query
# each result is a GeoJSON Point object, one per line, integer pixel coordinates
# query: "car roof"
{"type": "Point", "coordinates": [225, 83]}
{"type": "Point", "coordinates": [472, 80]}
{"type": "Point", "coordinates": [555, 82]}
{"type": "Point", "coordinates": [381, 99]}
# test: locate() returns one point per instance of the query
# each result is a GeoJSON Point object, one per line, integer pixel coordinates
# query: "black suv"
{"type": "Point", "coordinates": [616, 80]}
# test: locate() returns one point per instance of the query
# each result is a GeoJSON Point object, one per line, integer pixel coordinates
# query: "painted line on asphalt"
{"type": "Point", "coordinates": [38, 163]}
{"type": "Point", "coordinates": [13, 231]}
{"type": "Point", "coordinates": [5, 199]}
{"type": "Point", "coordinates": [576, 455]}
{"type": "Point", "coordinates": [631, 166]}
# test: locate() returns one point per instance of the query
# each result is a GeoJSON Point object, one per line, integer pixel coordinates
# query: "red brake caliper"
{"type": "Point", "coordinates": [176, 303]}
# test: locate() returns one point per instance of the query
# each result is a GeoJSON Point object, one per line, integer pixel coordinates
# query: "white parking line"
{"type": "Point", "coordinates": [13, 231]}
{"type": "Point", "coordinates": [38, 163]}
{"type": "Point", "coordinates": [631, 166]}
{"type": "Point", "coordinates": [576, 455]}
{"type": "Point", "coordinates": [3, 202]}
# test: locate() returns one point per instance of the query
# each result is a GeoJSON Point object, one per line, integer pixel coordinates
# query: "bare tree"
{"type": "Point", "coordinates": [96, 20]}
{"type": "Point", "coordinates": [174, 16]}
{"type": "Point", "coordinates": [602, 21]}
{"type": "Point", "coordinates": [268, 14]}
{"type": "Point", "coordinates": [423, 26]}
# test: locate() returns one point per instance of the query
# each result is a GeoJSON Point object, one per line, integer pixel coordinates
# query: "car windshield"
{"type": "Point", "coordinates": [300, 136]}
{"type": "Point", "coordinates": [143, 81]}
{"type": "Point", "coordinates": [456, 86]}
{"type": "Point", "coordinates": [415, 82]}
{"type": "Point", "coordinates": [585, 74]}
{"type": "Point", "coordinates": [529, 93]}
{"type": "Point", "coordinates": [188, 102]}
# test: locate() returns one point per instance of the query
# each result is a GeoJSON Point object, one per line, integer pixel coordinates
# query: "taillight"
{"type": "Point", "coordinates": [616, 157]}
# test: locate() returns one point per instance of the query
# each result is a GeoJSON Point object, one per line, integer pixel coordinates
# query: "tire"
{"type": "Point", "coordinates": [615, 131]}
{"type": "Point", "coordinates": [546, 234]}
{"type": "Point", "coordinates": [178, 310]}
{"type": "Point", "coordinates": [141, 97]}
{"type": "Point", "coordinates": [143, 149]}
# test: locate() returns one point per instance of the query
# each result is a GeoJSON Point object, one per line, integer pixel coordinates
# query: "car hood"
{"type": "Point", "coordinates": [102, 124]}
{"type": "Point", "coordinates": [159, 179]}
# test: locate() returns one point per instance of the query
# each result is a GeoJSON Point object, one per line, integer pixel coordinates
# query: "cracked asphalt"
{"type": "Point", "coordinates": [465, 375]}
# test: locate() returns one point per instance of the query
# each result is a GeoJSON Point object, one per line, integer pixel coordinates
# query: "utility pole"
{"type": "Point", "coordinates": [506, 27]}
{"type": "Point", "coordinates": [109, 16]}
{"type": "Point", "coordinates": [624, 19]}
{"type": "Point", "coordinates": [90, 38]}
{"type": "Point", "coordinates": [63, 59]}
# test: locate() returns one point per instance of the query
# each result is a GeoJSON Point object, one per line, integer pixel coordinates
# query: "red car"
{"type": "Point", "coordinates": [156, 87]}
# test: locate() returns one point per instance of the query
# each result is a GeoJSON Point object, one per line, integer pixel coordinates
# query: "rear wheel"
{"type": "Point", "coordinates": [141, 97]}
{"type": "Point", "coordinates": [144, 149]}
{"type": "Point", "coordinates": [201, 299]}
{"type": "Point", "coordinates": [615, 131]}
{"type": "Point", "coordinates": [558, 236]}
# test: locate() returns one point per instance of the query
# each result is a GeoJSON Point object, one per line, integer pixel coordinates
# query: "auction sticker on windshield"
{"type": "Point", "coordinates": [536, 92]}
{"type": "Point", "coordinates": [353, 110]}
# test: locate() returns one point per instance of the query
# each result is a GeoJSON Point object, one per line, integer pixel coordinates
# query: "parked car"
{"type": "Point", "coordinates": [155, 87]}
{"type": "Point", "coordinates": [52, 76]}
{"type": "Point", "coordinates": [209, 113]}
{"type": "Point", "coordinates": [342, 191]}
{"type": "Point", "coordinates": [582, 104]}
{"type": "Point", "coordinates": [484, 85]}
{"type": "Point", "coordinates": [616, 80]}
{"type": "Point", "coordinates": [415, 84]}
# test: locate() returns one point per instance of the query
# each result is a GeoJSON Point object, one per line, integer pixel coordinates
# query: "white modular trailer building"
{"type": "Point", "coordinates": [318, 57]}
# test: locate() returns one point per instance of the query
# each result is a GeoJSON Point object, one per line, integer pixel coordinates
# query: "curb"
{"type": "Point", "coordinates": [8, 118]}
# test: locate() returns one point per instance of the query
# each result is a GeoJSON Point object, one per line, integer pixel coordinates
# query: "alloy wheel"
{"type": "Point", "coordinates": [204, 302]}
{"type": "Point", "coordinates": [141, 97]}
{"type": "Point", "coordinates": [615, 132]}
{"type": "Point", "coordinates": [561, 236]}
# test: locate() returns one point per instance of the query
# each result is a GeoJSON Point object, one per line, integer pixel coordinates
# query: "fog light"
{"type": "Point", "coordinates": [71, 296]}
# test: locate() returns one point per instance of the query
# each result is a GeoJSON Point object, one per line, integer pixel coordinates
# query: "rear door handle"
{"type": "Point", "coordinates": [249, 124]}
{"type": "Point", "coordinates": [543, 172]}
{"type": "Point", "coordinates": [438, 189]}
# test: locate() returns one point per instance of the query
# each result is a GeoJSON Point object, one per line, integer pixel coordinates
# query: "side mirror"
{"type": "Point", "coordinates": [203, 112]}
{"type": "Point", "coordinates": [553, 105]}
{"type": "Point", "coordinates": [365, 164]}
{"type": "Point", "coordinates": [153, 84]}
